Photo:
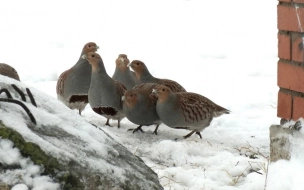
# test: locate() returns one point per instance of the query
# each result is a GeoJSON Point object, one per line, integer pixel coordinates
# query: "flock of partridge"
{"type": "Point", "coordinates": [142, 98]}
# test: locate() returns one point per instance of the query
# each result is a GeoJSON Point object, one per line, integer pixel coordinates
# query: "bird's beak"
{"type": "Point", "coordinates": [122, 59]}
{"type": "Point", "coordinates": [129, 65]}
{"type": "Point", "coordinates": [122, 98]}
{"type": "Point", "coordinates": [84, 56]}
{"type": "Point", "coordinates": [154, 94]}
{"type": "Point", "coordinates": [97, 47]}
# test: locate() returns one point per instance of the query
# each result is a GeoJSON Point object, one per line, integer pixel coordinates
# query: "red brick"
{"type": "Point", "coordinates": [291, 76]}
{"type": "Point", "coordinates": [298, 108]}
{"type": "Point", "coordinates": [288, 18]}
{"type": "Point", "coordinates": [284, 46]}
{"type": "Point", "coordinates": [297, 51]}
{"type": "Point", "coordinates": [284, 105]}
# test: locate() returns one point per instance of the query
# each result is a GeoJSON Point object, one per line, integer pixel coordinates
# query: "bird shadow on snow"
{"type": "Point", "coordinates": [164, 132]}
{"type": "Point", "coordinates": [129, 139]}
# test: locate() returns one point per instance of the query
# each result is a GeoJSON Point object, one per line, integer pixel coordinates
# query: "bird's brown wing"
{"type": "Point", "coordinates": [197, 107]}
{"type": "Point", "coordinates": [121, 88]}
{"type": "Point", "coordinates": [60, 82]}
{"type": "Point", "coordinates": [174, 86]}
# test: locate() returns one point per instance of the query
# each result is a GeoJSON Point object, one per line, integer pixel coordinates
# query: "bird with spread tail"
{"type": "Point", "coordinates": [105, 93]}
{"type": "Point", "coordinates": [140, 108]}
{"type": "Point", "coordinates": [123, 73]}
{"type": "Point", "coordinates": [73, 84]}
{"type": "Point", "coordinates": [186, 110]}
{"type": "Point", "coordinates": [8, 71]}
{"type": "Point", "coordinates": [144, 76]}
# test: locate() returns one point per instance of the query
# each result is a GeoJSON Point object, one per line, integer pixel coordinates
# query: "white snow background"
{"type": "Point", "coordinates": [224, 50]}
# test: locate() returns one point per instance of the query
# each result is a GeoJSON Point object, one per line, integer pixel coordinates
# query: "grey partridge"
{"type": "Point", "coordinates": [8, 71]}
{"type": "Point", "coordinates": [73, 84]}
{"type": "Point", "coordinates": [140, 108]}
{"type": "Point", "coordinates": [123, 73]}
{"type": "Point", "coordinates": [104, 93]}
{"type": "Point", "coordinates": [144, 76]}
{"type": "Point", "coordinates": [186, 110]}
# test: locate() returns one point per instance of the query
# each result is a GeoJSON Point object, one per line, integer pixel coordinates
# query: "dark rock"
{"type": "Point", "coordinates": [74, 153]}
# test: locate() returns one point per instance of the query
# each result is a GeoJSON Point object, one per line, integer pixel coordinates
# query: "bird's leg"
{"type": "Point", "coordinates": [199, 134]}
{"type": "Point", "coordinates": [189, 134]}
{"type": "Point", "coordinates": [79, 112]}
{"type": "Point", "coordinates": [107, 123]}
{"type": "Point", "coordinates": [155, 131]}
{"type": "Point", "coordinates": [138, 128]}
{"type": "Point", "coordinates": [118, 124]}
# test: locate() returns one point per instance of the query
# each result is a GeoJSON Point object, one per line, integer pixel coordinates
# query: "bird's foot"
{"type": "Point", "coordinates": [108, 123]}
{"type": "Point", "coordinates": [189, 135]}
{"type": "Point", "coordinates": [155, 131]}
{"type": "Point", "coordinates": [199, 134]}
{"type": "Point", "coordinates": [136, 129]}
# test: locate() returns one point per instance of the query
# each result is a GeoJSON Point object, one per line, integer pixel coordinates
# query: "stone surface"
{"type": "Point", "coordinates": [4, 186]}
{"type": "Point", "coordinates": [73, 152]}
{"type": "Point", "coordinates": [280, 143]}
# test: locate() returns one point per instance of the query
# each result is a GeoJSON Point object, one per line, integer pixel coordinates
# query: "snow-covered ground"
{"type": "Point", "coordinates": [224, 50]}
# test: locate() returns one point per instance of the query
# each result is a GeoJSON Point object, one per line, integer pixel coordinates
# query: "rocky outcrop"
{"type": "Point", "coordinates": [73, 152]}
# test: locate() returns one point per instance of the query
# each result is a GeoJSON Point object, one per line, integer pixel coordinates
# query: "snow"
{"type": "Point", "coordinates": [92, 151]}
{"type": "Point", "coordinates": [220, 49]}
{"type": "Point", "coordinates": [28, 175]}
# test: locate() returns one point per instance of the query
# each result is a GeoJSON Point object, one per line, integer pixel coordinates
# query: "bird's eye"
{"type": "Point", "coordinates": [137, 63]}
{"type": "Point", "coordinates": [93, 55]}
{"type": "Point", "coordinates": [89, 45]}
{"type": "Point", "coordinates": [131, 95]}
{"type": "Point", "coordinates": [163, 90]}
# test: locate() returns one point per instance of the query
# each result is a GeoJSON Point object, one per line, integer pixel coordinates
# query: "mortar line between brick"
{"type": "Point", "coordinates": [301, 29]}
{"type": "Point", "coordinates": [291, 92]}
{"type": "Point", "coordinates": [288, 4]}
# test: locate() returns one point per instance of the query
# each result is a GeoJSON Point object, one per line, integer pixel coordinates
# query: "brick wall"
{"type": "Point", "coordinates": [291, 59]}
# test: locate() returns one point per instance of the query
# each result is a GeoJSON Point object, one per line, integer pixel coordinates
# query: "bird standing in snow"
{"type": "Point", "coordinates": [122, 72]}
{"type": "Point", "coordinates": [140, 108]}
{"type": "Point", "coordinates": [73, 84]}
{"type": "Point", "coordinates": [186, 110]}
{"type": "Point", "coordinates": [8, 71]}
{"type": "Point", "coordinates": [144, 76]}
{"type": "Point", "coordinates": [105, 93]}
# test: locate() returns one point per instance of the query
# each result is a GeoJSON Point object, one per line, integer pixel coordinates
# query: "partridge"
{"type": "Point", "coordinates": [186, 110]}
{"type": "Point", "coordinates": [122, 72]}
{"type": "Point", "coordinates": [139, 107]}
{"type": "Point", "coordinates": [144, 76]}
{"type": "Point", "coordinates": [73, 84]}
{"type": "Point", "coordinates": [8, 71]}
{"type": "Point", "coordinates": [105, 93]}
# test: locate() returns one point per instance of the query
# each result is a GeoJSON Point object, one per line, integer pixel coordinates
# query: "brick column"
{"type": "Point", "coordinates": [291, 59]}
